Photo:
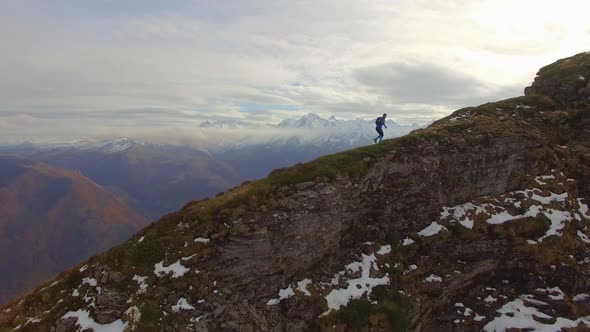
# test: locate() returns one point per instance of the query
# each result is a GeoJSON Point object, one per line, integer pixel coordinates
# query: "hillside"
{"type": "Point", "coordinates": [478, 222]}
{"type": "Point", "coordinates": [51, 219]}
{"type": "Point", "coordinates": [152, 179]}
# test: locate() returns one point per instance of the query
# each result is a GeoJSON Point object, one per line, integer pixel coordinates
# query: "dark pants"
{"type": "Point", "coordinates": [380, 131]}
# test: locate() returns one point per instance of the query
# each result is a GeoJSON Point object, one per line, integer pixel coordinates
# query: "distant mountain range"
{"type": "Point", "coordinates": [153, 179]}
{"type": "Point", "coordinates": [307, 121]}
{"type": "Point", "coordinates": [50, 219]}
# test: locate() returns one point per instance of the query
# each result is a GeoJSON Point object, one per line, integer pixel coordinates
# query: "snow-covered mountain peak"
{"type": "Point", "coordinates": [104, 146]}
{"type": "Point", "coordinates": [309, 120]}
{"type": "Point", "coordinates": [117, 145]}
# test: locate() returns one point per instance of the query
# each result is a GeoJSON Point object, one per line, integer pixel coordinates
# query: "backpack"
{"type": "Point", "coordinates": [378, 121]}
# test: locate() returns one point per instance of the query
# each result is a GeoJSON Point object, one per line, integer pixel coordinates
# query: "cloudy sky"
{"type": "Point", "coordinates": [88, 69]}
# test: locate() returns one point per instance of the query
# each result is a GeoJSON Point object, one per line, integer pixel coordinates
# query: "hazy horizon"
{"type": "Point", "coordinates": [207, 138]}
{"type": "Point", "coordinates": [97, 69]}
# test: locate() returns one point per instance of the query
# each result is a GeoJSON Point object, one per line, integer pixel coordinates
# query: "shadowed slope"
{"type": "Point", "coordinates": [50, 219]}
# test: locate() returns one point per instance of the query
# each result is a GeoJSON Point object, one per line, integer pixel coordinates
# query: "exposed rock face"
{"type": "Point", "coordinates": [565, 81]}
{"type": "Point", "coordinates": [477, 222]}
{"type": "Point", "coordinates": [559, 91]}
{"type": "Point", "coordinates": [110, 305]}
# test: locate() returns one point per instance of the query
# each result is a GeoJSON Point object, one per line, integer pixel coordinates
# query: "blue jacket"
{"type": "Point", "coordinates": [381, 122]}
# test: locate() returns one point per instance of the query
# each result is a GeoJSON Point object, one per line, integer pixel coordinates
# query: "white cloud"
{"type": "Point", "coordinates": [265, 59]}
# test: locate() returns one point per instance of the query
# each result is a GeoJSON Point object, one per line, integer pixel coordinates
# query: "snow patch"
{"type": "Point", "coordinates": [583, 237]}
{"type": "Point", "coordinates": [182, 304]}
{"type": "Point", "coordinates": [283, 294]}
{"type": "Point", "coordinates": [497, 212]}
{"type": "Point", "coordinates": [302, 286]}
{"type": "Point", "coordinates": [535, 301]}
{"type": "Point", "coordinates": [478, 318]}
{"type": "Point", "coordinates": [581, 297]}
{"type": "Point", "coordinates": [177, 269]}
{"type": "Point", "coordinates": [433, 229]}
{"type": "Point", "coordinates": [407, 241]}
{"type": "Point", "coordinates": [467, 312]}
{"type": "Point", "coordinates": [386, 249]}
{"type": "Point", "coordinates": [141, 239]}
{"type": "Point", "coordinates": [84, 320]}
{"type": "Point", "coordinates": [557, 222]}
{"type": "Point", "coordinates": [555, 293]}
{"type": "Point", "coordinates": [90, 282]}
{"type": "Point", "coordinates": [583, 209]}
{"type": "Point", "coordinates": [188, 257]}
{"type": "Point", "coordinates": [201, 240]}
{"type": "Point", "coordinates": [460, 213]}
{"type": "Point", "coordinates": [411, 268]}
{"type": "Point", "coordinates": [516, 315]}
{"type": "Point", "coordinates": [364, 284]}
{"type": "Point", "coordinates": [542, 180]}
{"type": "Point", "coordinates": [490, 299]}
{"type": "Point", "coordinates": [142, 284]}
{"type": "Point", "coordinates": [289, 292]}
{"type": "Point", "coordinates": [433, 278]}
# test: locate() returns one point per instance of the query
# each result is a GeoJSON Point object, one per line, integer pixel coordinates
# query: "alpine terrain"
{"type": "Point", "coordinates": [50, 219]}
{"type": "Point", "coordinates": [477, 222]}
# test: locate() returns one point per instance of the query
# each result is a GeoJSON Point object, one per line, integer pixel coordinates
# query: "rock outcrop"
{"type": "Point", "coordinates": [566, 81]}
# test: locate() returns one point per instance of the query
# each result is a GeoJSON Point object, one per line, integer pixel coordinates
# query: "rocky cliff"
{"type": "Point", "coordinates": [478, 222]}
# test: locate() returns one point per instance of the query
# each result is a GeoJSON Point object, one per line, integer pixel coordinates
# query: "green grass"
{"type": "Point", "coordinates": [390, 305]}
{"type": "Point", "coordinates": [150, 317]}
{"type": "Point", "coordinates": [140, 256]}
{"type": "Point", "coordinates": [356, 313]}
{"type": "Point", "coordinates": [498, 108]}
{"type": "Point", "coordinates": [525, 228]}
{"type": "Point", "coordinates": [567, 69]}
{"type": "Point", "coordinates": [537, 102]}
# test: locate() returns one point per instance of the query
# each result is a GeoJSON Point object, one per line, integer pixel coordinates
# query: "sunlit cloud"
{"type": "Point", "coordinates": [94, 68]}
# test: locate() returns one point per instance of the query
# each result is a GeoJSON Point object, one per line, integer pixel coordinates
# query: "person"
{"type": "Point", "coordinates": [380, 122]}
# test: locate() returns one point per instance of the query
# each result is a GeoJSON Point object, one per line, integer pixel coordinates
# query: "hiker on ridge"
{"type": "Point", "coordinates": [380, 122]}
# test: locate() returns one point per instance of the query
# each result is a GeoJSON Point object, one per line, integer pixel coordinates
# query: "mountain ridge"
{"type": "Point", "coordinates": [429, 231]}
{"type": "Point", "coordinates": [63, 206]}
{"type": "Point", "coordinates": [153, 179]}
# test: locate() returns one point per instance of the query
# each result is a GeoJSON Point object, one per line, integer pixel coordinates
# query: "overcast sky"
{"type": "Point", "coordinates": [87, 69]}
